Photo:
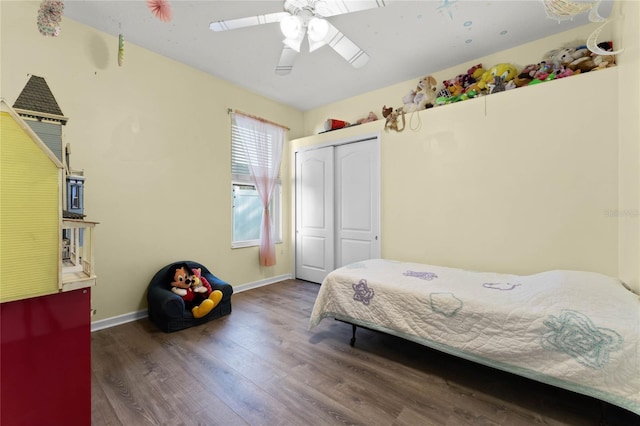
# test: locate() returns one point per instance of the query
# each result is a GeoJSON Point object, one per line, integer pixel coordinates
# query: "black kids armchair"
{"type": "Point", "coordinates": [167, 309]}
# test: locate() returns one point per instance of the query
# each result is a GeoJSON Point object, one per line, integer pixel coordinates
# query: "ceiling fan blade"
{"type": "Point", "coordinates": [340, 7]}
{"type": "Point", "coordinates": [287, 58]}
{"type": "Point", "coordinates": [345, 47]}
{"type": "Point", "coordinates": [232, 24]}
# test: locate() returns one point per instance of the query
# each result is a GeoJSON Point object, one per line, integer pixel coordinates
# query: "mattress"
{"type": "Point", "coordinates": [572, 329]}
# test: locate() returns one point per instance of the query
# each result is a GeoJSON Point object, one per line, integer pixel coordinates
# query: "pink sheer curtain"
{"type": "Point", "coordinates": [264, 154]}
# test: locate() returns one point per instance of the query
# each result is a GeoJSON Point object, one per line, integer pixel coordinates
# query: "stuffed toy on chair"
{"type": "Point", "coordinates": [194, 289]}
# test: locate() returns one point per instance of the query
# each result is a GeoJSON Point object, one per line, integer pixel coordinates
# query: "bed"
{"type": "Point", "coordinates": [575, 330]}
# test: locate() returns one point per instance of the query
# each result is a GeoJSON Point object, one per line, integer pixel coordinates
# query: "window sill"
{"type": "Point", "coordinates": [245, 244]}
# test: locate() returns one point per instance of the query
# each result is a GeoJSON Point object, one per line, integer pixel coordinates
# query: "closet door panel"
{"type": "Point", "coordinates": [314, 214]}
{"type": "Point", "coordinates": [357, 202]}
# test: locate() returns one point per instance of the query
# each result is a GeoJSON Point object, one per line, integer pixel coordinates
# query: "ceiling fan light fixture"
{"type": "Point", "coordinates": [293, 43]}
{"type": "Point", "coordinates": [290, 26]}
{"type": "Point", "coordinates": [317, 29]}
{"type": "Point", "coordinates": [315, 45]}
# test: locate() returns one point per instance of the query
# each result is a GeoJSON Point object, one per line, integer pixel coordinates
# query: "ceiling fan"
{"type": "Point", "coordinates": [306, 17]}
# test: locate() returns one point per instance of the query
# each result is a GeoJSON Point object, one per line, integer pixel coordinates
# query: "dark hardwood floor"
{"type": "Point", "coordinates": [262, 366]}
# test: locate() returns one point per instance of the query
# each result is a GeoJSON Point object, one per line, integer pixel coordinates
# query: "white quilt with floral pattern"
{"type": "Point", "coordinates": [571, 329]}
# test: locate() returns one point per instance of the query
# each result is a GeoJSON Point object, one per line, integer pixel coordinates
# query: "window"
{"type": "Point", "coordinates": [246, 205]}
{"type": "Point", "coordinates": [74, 195]}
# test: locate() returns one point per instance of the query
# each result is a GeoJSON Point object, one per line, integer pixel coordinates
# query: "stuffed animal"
{"type": "Point", "coordinates": [526, 75]}
{"type": "Point", "coordinates": [392, 118]}
{"type": "Point", "coordinates": [194, 289]}
{"type": "Point", "coordinates": [444, 100]}
{"type": "Point", "coordinates": [507, 71]}
{"type": "Point", "coordinates": [476, 72]}
{"type": "Point", "coordinates": [497, 85]}
{"type": "Point", "coordinates": [422, 97]}
{"type": "Point", "coordinates": [564, 71]}
{"type": "Point", "coordinates": [462, 82]}
{"type": "Point", "coordinates": [369, 118]}
{"type": "Point", "coordinates": [407, 101]}
{"type": "Point", "coordinates": [594, 61]}
{"type": "Point", "coordinates": [603, 61]}
{"type": "Point", "coordinates": [426, 94]}
{"type": "Point", "coordinates": [544, 70]}
{"type": "Point", "coordinates": [581, 59]}
{"type": "Point", "coordinates": [565, 56]}
{"type": "Point", "coordinates": [454, 85]}
{"type": "Point", "coordinates": [462, 87]}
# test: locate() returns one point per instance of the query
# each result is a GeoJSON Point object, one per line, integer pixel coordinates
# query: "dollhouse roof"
{"type": "Point", "coordinates": [5, 108]}
{"type": "Point", "coordinates": [36, 97]}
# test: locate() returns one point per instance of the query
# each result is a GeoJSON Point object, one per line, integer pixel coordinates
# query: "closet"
{"type": "Point", "coordinates": [337, 220]}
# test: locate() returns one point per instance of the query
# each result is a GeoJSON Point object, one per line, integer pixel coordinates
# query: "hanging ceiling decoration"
{"type": "Point", "coordinates": [307, 18]}
{"type": "Point", "coordinates": [49, 17]}
{"type": "Point", "coordinates": [120, 50]}
{"type": "Point", "coordinates": [161, 9]}
{"type": "Point", "coordinates": [593, 45]}
{"type": "Point", "coordinates": [562, 10]}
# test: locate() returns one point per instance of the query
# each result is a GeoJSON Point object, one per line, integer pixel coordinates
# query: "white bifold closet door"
{"type": "Point", "coordinates": [337, 207]}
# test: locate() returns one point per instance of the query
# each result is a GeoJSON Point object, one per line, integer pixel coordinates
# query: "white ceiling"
{"type": "Point", "coordinates": [405, 40]}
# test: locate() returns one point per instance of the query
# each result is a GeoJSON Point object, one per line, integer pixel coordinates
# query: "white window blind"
{"type": "Point", "coordinates": [239, 159]}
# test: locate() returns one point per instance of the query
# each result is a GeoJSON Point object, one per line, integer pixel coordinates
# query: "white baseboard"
{"type": "Point", "coordinates": [118, 320]}
{"type": "Point", "coordinates": [248, 286]}
{"type": "Point", "coordinates": [133, 316]}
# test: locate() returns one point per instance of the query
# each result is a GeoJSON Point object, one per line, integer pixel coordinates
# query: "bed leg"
{"type": "Point", "coordinates": [353, 337]}
{"type": "Point", "coordinates": [603, 413]}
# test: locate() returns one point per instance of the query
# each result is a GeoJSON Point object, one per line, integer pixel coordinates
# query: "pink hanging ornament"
{"type": "Point", "coordinates": [161, 9]}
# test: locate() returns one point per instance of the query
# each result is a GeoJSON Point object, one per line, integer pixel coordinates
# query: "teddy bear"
{"type": "Point", "coordinates": [195, 290]}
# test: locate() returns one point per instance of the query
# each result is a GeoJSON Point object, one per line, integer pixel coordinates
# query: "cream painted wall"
{"type": "Point", "coordinates": [523, 194]}
{"type": "Point", "coordinates": [153, 138]}
{"type": "Point", "coordinates": [628, 217]}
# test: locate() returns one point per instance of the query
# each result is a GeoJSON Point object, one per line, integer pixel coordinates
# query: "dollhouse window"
{"type": "Point", "coordinates": [75, 195]}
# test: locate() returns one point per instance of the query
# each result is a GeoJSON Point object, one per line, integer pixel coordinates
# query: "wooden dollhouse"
{"type": "Point", "coordinates": [47, 218]}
